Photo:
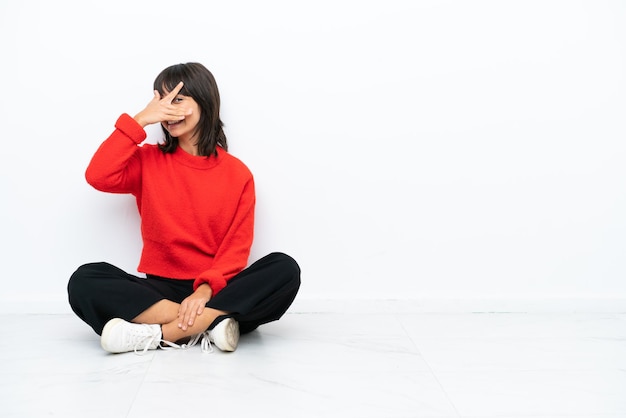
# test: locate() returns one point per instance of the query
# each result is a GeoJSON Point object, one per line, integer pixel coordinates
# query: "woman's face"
{"type": "Point", "coordinates": [185, 128]}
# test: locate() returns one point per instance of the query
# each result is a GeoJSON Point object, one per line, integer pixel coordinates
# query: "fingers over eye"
{"type": "Point", "coordinates": [170, 96]}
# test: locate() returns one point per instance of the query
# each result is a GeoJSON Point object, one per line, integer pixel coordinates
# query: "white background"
{"type": "Point", "coordinates": [416, 150]}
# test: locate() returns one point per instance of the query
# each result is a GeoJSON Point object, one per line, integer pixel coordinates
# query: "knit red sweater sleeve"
{"type": "Point", "coordinates": [112, 168]}
{"type": "Point", "coordinates": [232, 255]}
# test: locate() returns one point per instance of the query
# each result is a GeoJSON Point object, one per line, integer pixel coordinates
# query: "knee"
{"type": "Point", "coordinates": [288, 265]}
{"type": "Point", "coordinates": [76, 280]}
{"type": "Point", "coordinates": [82, 272]}
{"type": "Point", "coordinates": [81, 276]}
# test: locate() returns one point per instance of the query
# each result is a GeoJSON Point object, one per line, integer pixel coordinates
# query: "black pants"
{"type": "Point", "coordinates": [257, 295]}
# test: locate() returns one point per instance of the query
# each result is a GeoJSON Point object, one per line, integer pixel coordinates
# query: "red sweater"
{"type": "Point", "coordinates": [197, 213]}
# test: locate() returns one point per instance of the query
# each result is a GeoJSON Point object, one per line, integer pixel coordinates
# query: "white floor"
{"type": "Point", "coordinates": [329, 365]}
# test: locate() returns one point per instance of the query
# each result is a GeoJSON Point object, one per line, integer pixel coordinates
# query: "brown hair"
{"type": "Point", "coordinates": [200, 85]}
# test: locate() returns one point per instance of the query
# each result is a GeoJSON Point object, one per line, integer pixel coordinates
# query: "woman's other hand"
{"type": "Point", "coordinates": [193, 305]}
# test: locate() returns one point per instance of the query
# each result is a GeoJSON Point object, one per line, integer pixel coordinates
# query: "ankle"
{"type": "Point", "coordinates": [172, 332]}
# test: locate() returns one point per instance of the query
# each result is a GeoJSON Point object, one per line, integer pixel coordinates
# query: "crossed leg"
{"type": "Point", "coordinates": [165, 313]}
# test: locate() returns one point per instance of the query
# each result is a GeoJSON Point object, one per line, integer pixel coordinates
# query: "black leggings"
{"type": "Point", "coordinates": [257, 295]}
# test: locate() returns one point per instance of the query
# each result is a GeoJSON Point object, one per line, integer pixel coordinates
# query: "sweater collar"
{"type": "Point", "coordinates": [202, 163]}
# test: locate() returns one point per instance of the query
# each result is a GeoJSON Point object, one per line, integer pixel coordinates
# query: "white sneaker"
{"type": "Point", "coordinates": [119, 336]}
{"type": "Point", "coordinates": [225, 335]}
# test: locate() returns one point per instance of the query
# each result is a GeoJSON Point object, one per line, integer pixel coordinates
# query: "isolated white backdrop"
{"type": "Point", "coordinates": [415, 150]}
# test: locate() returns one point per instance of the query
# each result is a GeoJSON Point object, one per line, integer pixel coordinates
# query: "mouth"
{"type": "Point", "coordinates": [173, 122]}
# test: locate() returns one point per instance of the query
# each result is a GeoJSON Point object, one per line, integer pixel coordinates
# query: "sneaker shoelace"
{"type": "Point", "coordinates": [205, 343]}
{"type": "Point", "coordinates": [203, 337]}
{"type": "Point", "coordinates": [146, 341]}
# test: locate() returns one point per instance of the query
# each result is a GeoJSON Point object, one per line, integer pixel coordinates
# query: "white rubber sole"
{"type": "Point", "coordinates": [225, 335]}
{"type": "Point", "coordinates": [106, 335]}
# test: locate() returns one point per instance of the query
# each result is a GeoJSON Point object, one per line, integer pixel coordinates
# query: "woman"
{"type": "Point", "coordinates": [196, 203]}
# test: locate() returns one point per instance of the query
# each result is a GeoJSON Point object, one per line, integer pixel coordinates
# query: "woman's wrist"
{"type": "Point", "coordinates": [205, 290]}
{"type": "Point", "coordinates": [140, 120]}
